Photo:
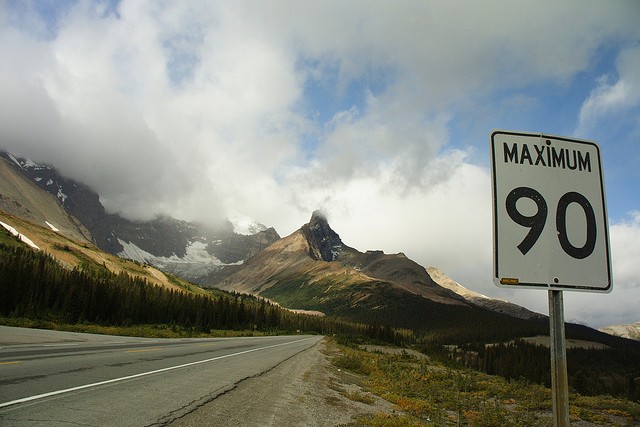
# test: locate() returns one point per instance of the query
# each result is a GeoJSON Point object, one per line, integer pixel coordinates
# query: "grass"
{"type": "Point", "coordinates": [354, 363]}
{"type": "Point", "coordinates": [144, 331]}
{"type": "Point", "coordinates": [357, 396]}
{"type": "Point", "coordinates": [9, 239]}
{"type": "Point", "coordinates": [430, 393]}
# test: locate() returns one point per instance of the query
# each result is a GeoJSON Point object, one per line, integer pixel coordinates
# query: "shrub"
{"type": "Point", "coordinates": [354, 363]}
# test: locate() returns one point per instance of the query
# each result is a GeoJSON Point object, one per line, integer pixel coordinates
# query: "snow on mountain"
{"type": "Point", "coordinates": [62, 196]}
{"type": "Point", "coordinates": [22, 195]}
{"type": "Point", "coordinates": [52, 227]}
{"type": "Point", "coordinates": [16, 161]}
{"type": "Point", "coordinates": [19, 235]}
{"type": "Point", "coordinates": [245, 225]}
{"type": "Point", "coordinates": [26, 163]}
{"type": "Point", "coordinates": [33, 168]}
{"type": "Point", "coordinates": [196, 262]}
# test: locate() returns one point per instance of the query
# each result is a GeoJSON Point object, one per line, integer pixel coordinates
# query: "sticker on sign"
{"type": "Point", "coordinates": [550, 225]}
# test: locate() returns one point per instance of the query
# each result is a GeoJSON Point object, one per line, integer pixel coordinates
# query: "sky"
{"type": "Point", "coordinates": [376, 112]}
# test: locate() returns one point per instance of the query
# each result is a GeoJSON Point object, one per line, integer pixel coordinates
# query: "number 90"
{"type": "Point", "coordinates": [536, 222]}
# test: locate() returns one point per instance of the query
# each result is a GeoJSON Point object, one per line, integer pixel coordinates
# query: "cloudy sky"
{"type": "Point", "coordinates": [377, 112]}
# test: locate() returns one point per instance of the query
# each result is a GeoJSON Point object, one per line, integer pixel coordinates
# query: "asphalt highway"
{"type": "Point", "coordinates": [57, 378]}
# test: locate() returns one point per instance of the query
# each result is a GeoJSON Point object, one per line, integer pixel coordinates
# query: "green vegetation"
{"type": "Point", "coordinates": [37, 290]}
{"type": "Point", "coordinates": [9, 240]}
{"type": "Point", "coordinates": [461, 334]}
{"type": "Point", "coordinates": [148, 331]}
{"type": "Point", "coordinates": [429, 393]}
{"type": "Point", "coordinates": [381, 304]}
{"type": "Point", "coordinates": [591, 371]}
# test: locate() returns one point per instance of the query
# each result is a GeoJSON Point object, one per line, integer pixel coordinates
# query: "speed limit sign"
{"type": "Point", "coordinates": [549, 214]}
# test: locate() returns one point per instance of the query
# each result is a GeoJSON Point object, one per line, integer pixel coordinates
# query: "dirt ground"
{"type": "Point", "coordinates": [305, 390]}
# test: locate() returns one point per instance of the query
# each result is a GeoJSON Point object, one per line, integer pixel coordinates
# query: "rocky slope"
{"type": "Point", "coordinates": [313, 269]}
{"type": "Point", "coordinates": [20, 196]}
{"type": "Point", "coordinates": [631, 331]}
{"type": "Point", "coordinates": [316, 254]}
{"type": "Point", "coordinates": [480, 300]}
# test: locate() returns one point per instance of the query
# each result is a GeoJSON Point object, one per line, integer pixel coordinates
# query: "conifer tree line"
{"type": "Point", "coordinates": [34, 285]}
{"type": "Point", "coordinates": [590, 371]}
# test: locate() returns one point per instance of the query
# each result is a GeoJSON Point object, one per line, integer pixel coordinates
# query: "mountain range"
{"type": "Point", "coordinates": [194, 251]}
{"type": "Point", "coordinates": [311, 269]}
{"type": "Point", "coordinates": [315, 258]}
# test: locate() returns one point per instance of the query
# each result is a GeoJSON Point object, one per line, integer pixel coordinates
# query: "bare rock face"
{"type": "Point", "coordinates": [324, 243]}
{"type": "Point", "coordinates": [480, 300]}
{"type": "Point", "coordinates": [22, 196]}
{"type": "Point", "coordinates": [631, 330]}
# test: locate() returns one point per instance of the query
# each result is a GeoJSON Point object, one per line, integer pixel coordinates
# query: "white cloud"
{"type": "Point", "coordinates": [621, 305]}
{"type": "Point", "coordinates": [596, 309]}
{"type": "Point", "coordinates": [625, 248]}
{"type": "Point", "coordinates": [197, 108]}
{"type": "Point", "coordinates": [610, 97]}
{"type": "Point", "coordinates": [205, 89]}
{"type": "Point", "coordinates": [445, 222]}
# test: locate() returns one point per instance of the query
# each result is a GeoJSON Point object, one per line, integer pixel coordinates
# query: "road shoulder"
{"type": "Point", "coordinates": [304, 390]}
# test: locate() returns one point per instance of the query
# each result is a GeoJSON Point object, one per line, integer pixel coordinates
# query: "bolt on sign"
{"type": "Point", "coordinates": [549, 214]}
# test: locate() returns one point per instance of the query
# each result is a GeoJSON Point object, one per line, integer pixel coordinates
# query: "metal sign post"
{"type": "Point", "coordinates": [559, 381]}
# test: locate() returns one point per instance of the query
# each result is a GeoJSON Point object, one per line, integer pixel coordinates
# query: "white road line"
{"type": "Point", "coordinates": [115, 380]}
{"type": "Point", "coordinates": [60, 345]}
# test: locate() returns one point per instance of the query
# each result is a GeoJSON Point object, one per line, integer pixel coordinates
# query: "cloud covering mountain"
{"type": "Point", "coordinates": [378, 113]}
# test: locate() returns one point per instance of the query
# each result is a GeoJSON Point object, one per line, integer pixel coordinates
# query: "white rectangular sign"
{"type": "Point", "coordinates": [549, 215]}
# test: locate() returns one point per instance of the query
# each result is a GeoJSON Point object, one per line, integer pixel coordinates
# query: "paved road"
{"type": "Point", "coordinates": [58, 378]}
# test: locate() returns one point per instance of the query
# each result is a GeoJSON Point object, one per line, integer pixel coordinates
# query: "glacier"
{"type": "Point", "coordinates": [197, 262]}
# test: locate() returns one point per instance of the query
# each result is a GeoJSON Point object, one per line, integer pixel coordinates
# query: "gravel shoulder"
{"type": "Point", "coordinates": [304, 390]}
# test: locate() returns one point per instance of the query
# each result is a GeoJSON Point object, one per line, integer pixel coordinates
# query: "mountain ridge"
{"type": "Point", "coordinates": [166, 242]}
{"type": "Point", "coordinates": [314, 260]}
{"type": "Point", "coordinates": [22, 197]}
{"type": "Point", "coordinates": [480, 300]}
{"type": "Point", "coordinates": [630, 330]}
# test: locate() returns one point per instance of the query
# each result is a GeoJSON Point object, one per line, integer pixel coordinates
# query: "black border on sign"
{"type": "Point", "coordinates": [548, 286]}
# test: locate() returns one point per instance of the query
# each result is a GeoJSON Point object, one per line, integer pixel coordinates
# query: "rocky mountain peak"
{"type": "Point", "coordinates": [318, 216]}
{"type": "Point", "coordinates": [324, 243]}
